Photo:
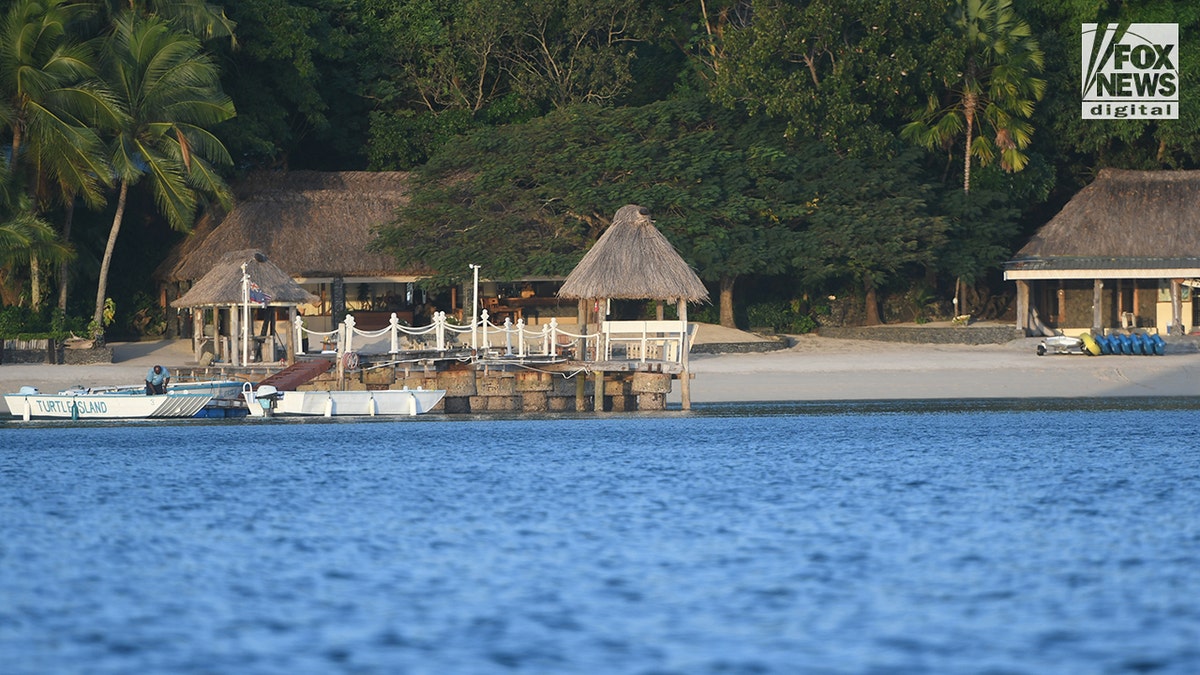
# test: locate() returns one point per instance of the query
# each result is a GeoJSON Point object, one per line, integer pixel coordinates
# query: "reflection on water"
{"type": "Point", "coordinates": [776, 538]}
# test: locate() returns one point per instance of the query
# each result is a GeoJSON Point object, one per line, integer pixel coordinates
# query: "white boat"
{"type": "Point", "coordinates": [228, 389]}
{"type": "Point", "coordinates": [29, 403]}
{"type": "Point", "coordinates": [267, 401]}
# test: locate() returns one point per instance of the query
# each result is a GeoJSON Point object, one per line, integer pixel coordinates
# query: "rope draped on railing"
{"type": "Point", "coordinates": [517, 339]}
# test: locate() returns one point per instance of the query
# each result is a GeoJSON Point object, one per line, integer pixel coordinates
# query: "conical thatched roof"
{"type": "Point", "coordinates": [1124, 215]}
{"type": "Point", "coordinates": [309, 223]}
{"type": "Point", "coordinates": [222, 285]}
{"type": "Point", "coordinates": [633, 260]}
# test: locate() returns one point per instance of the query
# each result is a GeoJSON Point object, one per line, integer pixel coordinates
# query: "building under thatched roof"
{"type": "Point", "coordinates": [221, 286]}
{"type": "Point", "coordinates": [1123, 251]}
{"type": "Point", "coordinates": [1123, 220]}
{"type": "Point", "coordinates": [633, 260]}
{"type": "Point", "coordinates": [313, 225]}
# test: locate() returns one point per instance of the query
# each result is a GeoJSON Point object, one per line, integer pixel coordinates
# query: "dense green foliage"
{"type": "Point", "coordinates": [768, 137]}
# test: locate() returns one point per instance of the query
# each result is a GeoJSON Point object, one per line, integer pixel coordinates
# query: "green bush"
{"type": "Point", "coordinates": [22, 323]}
{"type": "Point", "coordinates": [784, 316]}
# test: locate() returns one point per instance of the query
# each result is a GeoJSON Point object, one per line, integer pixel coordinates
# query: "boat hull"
{"type": "Point", "coordinates": [361, 403]}
{"type": "Point", "coordinates": [105, 406]}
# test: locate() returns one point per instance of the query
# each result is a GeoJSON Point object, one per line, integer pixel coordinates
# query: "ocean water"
{"type": "Point", "coordinates": [981, 537]}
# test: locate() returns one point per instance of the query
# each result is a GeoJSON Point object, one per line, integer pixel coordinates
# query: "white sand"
{"type": "Point", "coordinates": [816, 369]}
{"type": "Point", "coordinates": [819, 369]}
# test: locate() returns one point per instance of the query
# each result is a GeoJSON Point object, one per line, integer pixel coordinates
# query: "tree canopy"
{"type": "Point", "coordinates": [770, 139]}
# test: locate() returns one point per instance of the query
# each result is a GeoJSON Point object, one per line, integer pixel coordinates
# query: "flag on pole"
{"type": "Point", "coordinates": [259, 295]}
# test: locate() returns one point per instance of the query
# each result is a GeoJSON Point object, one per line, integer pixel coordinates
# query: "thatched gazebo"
{"type": "Point", "coordinates": [316, 226]}
{"type": "Point", "coordinates": [224, 288]}
{"type": "Point", "coordinates": [632, 260]}
{"type": "Point", "coordinates": [1124, 251]}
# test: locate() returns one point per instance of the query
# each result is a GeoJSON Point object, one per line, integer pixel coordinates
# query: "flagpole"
{"type": "Point", "coordinates": [245, 317]}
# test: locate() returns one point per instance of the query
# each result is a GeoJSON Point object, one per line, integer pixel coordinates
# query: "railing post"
{"type": "Point", "coordinates": [394, 324]}
{"type": "Point", "coordinates": [552, 349]}
{"type": "Point", "coordinates": [299, 323]}
{"type": "Point", "coordinates": [521, 337]}
{"type": "Point", "coordinates": [508, 336]}
{"type": "Point", "coordinates": [483, 324]}
{"type": "Point", "coordinates": [349, 333]}
{"type": "Point", "coordinates": [439, 326]}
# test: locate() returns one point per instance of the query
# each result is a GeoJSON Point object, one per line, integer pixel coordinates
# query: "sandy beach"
{"type": "Point", "coordinates": [815, 369]}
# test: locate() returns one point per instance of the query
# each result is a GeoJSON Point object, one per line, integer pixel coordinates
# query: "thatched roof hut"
{"type": "Point", "coordinates": [1122, 249]}
{"type": "Point", "coordinates": [633, 260]}
{"type": "Point", "coordinates": [314, 225]}
{"type": "Point", "coordinates": [222, 285]}
{"type": "Point", "coordinates": [1140, 219]}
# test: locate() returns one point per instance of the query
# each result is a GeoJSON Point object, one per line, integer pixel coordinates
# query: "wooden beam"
{"type": "Point", "coordinates": [1177, 306]}
{"type": "Point", "coordinates": [685, 378]}
{"type": "Point", "coordinates": [1023, 318]}
{"type": "Point", "coordinates": [1097, 305]}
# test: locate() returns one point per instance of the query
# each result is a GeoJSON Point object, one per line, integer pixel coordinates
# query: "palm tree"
{"type": "Point", "coordinates": [48, 100]}
{"type": "Point", "coordinates": [197, 17]}
{"type": "Point", "coordinates": [991, 98]}
{"type": "Point", "coordinates": [23, 236]}
{"type": "Point", "coordinates": [170, 95]}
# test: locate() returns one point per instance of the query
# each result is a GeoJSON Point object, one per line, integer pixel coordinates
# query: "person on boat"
{"type": "Point", "coordinates": [157, 380]}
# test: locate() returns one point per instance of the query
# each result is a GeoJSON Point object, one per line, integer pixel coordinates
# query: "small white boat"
{"type": "Point", "coordinates": [29, 403]}
{"type": "Point", "coordinates": [267, 401]}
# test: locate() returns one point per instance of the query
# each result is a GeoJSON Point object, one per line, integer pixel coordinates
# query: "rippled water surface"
{"type": "Point", "coordinates": [867, 538]}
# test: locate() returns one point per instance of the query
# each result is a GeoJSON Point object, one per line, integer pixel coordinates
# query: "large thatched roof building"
{"type": "Point", "coordinates": [1122, 252]}
{"type": "Point", "coordinates": [316, 226]}
{"type": "Point", "coordinates": [633, 260]}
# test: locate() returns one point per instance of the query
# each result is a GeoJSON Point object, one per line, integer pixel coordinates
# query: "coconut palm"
{"type": "Point", "coordinates": [48, 102]}
{"type": "Point", "coordinates": [23, 236]}
{"type": "Point", "coordinates": [990, 98]}
{"type": "Point", "coordinates": [204, 20]}
{"type": "Point", "coordinates": [170, 95]}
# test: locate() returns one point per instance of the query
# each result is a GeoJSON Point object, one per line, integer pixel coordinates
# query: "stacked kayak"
{"type": "Point", "coordinates": [1140, 344]}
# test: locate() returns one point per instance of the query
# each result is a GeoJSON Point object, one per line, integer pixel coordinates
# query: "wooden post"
{"type": "Point", "coordinates": [685, 381]}
{"type": "Point", "coordinates": [598, 395]}
{"type": "Point", "coordinates": [580, 392]}
{"type": "Point", "coordinates": [581, 344]}
{"type": "Point", "coordinates": [289, 335]}
{"type": "Point", "coordinates": [1097, 305]}
{"type": "Point", "coordinates": [197, 332]}
{"type": "Point", "coordinates": [1177, 306]}
{"type": "Point", "coordinates": [1023, 306]}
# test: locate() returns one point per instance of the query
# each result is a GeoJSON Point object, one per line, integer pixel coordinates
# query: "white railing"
{"type": "Point", "coordinates": [647, 340]}
{"type": "Point", "coordinates": [510, 339]}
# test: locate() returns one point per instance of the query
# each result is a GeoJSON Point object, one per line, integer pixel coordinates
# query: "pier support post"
{"type": "Point", "coordinates": [598, 394]}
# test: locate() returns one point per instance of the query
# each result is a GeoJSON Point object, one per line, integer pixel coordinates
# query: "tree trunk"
{"type": "Point", "coordinates": [102, 287]}
{"type": "Point", "coordinates": [726, 301]}
{"type": "Point", "coordinates": [64, 270]}
{"type": "Point", "coordinates": [872, 303]}
{"type": "Point", "coordinates": [35, 282]}
{"type": "Point", "coordinates": [969, 113]}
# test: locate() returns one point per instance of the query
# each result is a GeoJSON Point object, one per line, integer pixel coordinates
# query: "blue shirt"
{"type": "Point", "coordinates": [157, 378]}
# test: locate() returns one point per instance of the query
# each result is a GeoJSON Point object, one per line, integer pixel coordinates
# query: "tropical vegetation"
{"type": "Point", "coordinates": [814, 161]}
